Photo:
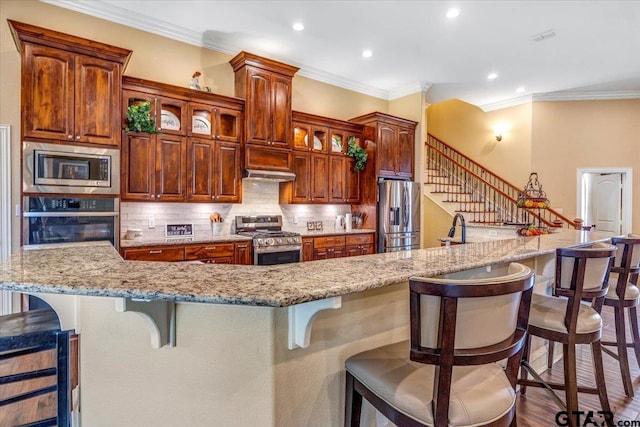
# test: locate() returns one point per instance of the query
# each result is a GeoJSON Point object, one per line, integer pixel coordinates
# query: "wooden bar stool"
{"type": "Point", "coordinates": [462, 325]}
{"type": "Point", "coordinates": [581, 274]}
{"type": "Point", "coordinates": [624, 293]}
{"type": "Point", "coordinates": [28, 333]}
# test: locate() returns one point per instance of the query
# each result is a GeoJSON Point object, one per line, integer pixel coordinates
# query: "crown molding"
{"type": "Point", "coordinates": [335, 80]}
{"type": "Point", "coordinates": [409, 90]}
{"type": "Point", "coordinates": [587, 95]}
{"type": "Point", "coordinates": [506, 103]}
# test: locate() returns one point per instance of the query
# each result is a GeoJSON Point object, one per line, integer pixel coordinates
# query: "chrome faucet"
{"type": "Point", "coordinates": [452, 230]}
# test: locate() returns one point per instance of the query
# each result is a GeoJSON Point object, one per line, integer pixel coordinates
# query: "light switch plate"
{"type": "Point", "coordinates": [152, 222]}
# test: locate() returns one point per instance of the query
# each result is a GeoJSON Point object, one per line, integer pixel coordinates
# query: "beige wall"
{"type": "Point", "coordinates": [154, 58]}
{"type": "Point", "coordinates": [584, 134]}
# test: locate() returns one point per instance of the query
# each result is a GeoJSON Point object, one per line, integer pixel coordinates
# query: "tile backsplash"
{"type": "Point", "coordinates": [258, 198]}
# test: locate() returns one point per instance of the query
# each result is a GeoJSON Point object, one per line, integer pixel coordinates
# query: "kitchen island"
{"type": "Point", "coordinates": [231, 364]}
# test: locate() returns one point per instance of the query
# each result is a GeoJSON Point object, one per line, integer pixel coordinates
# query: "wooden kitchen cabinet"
{"type": "Point", "coordinates": [329, 247]}
{"type": "Point", "coordinates": [214, 121]}
{"type": "Point", "coordinates": [343, 181]}
{"type": "Point", "coordinates": [153, 167]}
{"type": "Point", "coordinates": [213, 253]}
{"type": "Point", "coordinates": [307, 249]}
{"type": "Point", "coordinates": [394, 139]}
{"type": "Point", "coordinates": [311, 184]}
{"type": "Point", "coordinates": [70, 86]}
{"type": "Point", "coordinates": [213, 171]}
{"type": "Point", "coordinates": [359, 244]}
{"type": "Point", "coordinates": [154, 253]}
{"type": "Point", "coordinates": [243, 253]}
{"type": "Point", "coordinates": [266, 86]}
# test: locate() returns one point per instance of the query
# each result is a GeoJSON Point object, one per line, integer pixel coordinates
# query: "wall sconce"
{"type": "Point", "coordinates": [498, 136]}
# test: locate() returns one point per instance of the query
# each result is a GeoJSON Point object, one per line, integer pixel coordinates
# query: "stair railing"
{"type": "Point", "coordinates": [495, 197]}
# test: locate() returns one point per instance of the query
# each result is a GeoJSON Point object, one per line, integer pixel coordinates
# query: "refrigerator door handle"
{"type": "Point", "coordinates": [405, 207]}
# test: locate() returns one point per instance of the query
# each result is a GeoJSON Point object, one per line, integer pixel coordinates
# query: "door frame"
{"type": "Point", "coordinates": [6, 303]}
{"type": "Point", "coordinates": [627, 183]}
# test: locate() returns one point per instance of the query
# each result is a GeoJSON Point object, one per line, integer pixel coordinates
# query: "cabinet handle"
{"type": "Point", "coordinates": [155, 252]}
{"type": "Point", "coordinates": [210, 248]}
{"type": "Point", "coordinates": [69, 136]}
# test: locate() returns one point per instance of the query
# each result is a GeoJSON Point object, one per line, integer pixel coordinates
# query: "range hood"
{"type": "Point", "coordinates": [267, 175]}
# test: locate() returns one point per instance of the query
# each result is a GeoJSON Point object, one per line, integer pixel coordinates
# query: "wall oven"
{"type": "Point", "coordinates": [48, 220]}
{"type": "Point", "coordinates": [69, 169]}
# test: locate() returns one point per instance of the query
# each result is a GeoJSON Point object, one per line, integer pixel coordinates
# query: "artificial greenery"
{"type": "Point", "coordinates": [139, 118]}
{"type": "Point", "coordinates": [358, 153]}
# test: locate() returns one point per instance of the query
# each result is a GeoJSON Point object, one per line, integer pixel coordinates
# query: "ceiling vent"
{"type": "Point", "coordinates": [542, 36]}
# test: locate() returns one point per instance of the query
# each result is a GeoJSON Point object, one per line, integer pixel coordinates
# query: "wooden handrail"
{"type": "Point", "coordinates": [490, 179]}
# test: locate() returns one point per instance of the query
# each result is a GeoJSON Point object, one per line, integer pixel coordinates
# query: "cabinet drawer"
{"type": "Point", "coordinates": [213, 250]}
{"type": "Point", "coordinates": [218, 260]}
{"type": "Point", "coordinates": [159, 253]}
{"type": "Point", "coordinates": [360, 239]}
{"type": "Point", "coordinates": [326, 242]}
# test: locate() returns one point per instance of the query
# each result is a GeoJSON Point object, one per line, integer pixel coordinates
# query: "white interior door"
{"type": "Point", "coordinates": [605, 209]}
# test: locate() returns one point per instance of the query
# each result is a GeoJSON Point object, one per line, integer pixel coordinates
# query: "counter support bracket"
{"type": "Point", "coordinates": [161, 315]}
{"type": "Point", "coordinates": [301, 318]}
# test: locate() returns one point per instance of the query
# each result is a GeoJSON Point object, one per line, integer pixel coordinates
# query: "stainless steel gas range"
{"type": "Point", "coordinates": [271, 245]}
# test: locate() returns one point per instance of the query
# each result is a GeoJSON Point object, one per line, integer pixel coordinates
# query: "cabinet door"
{"type": "Point", "coordinates": [48, 93]}
{"type": "Point", "coordinates": [302, 139]}
{"type": "Point", "coordinates": [173, 116]}
{"type": "Point", "coordinates": [226, 172]}
{"type": "Point", "coordinates": [353, 251]}
{"type": "Point", "coordinates": [337, 142]}
{"type": "Point", "coordinates": [170, 167]}
{"type": "Point", "coordinates": [405, 153]}
{"type": "Point", "coordinates": [281, 111]}
{"type": "Point", "coordinates": [351, 181]}
{"type": "Point", "coordinates": [301, 186]}
{"type": "Point", "coordinates": [307, 249]}
{"type": "Point", "coordinates": [97, 99]}
{"type": "Point", "coordinates": [138, 166]}
{"type": "Point", "coordinates": [322, 253]}
{"type": "Point", "coordinates": [228, 125]}
{"type": "Point", "coordinates": [201, 120]}
{"type": "Point", "coordinates": [209, 252]}
{"type": "Point", "coordinates": [243, 253]}
{"type": "Point", "coordinates": [200, 163]}
{"type": "Point", "coordinates": [386, 155]}
{"type": "Point", "coordinates": [319, 182]}
{"type": "Point", "coordinates": [336, 179]}
{"type": "Point", "coordinates": [258, 107]}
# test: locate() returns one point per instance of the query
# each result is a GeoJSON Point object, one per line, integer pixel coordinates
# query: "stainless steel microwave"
{"type": "Point", "coordinates": [61, 168]}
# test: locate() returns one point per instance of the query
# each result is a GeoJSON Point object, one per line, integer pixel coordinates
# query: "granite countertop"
{"type": "Point", "coordinates": [96, 269]}
{"type": "Point", "coordinates": [211, 238]}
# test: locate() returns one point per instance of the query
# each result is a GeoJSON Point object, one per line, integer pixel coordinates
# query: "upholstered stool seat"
{"type": "Point", "coordinates": [460, 366]}
{"type": "Point", "coordinates": [549, 313]}
{"type": "Point", "coordinates": [479, 394]}
{"type": "Point", "coordinates": [631, 291]}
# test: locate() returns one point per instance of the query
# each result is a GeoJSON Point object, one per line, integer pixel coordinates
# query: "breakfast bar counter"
{"type": "Point", "coordinates": [232, 362]}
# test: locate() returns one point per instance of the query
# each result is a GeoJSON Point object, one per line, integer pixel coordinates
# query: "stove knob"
{"type": "Point", "coordinates": [291, 240]}
{"type": "Point", "coordinates": [279, 241]}
{"type": "Point", "coordinates": [268, 241]}
{"type": "Point", "coordinates": [260, 242]}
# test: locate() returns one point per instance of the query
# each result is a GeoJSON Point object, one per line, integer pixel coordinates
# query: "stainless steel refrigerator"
{"type": "Point", "coordinates": [398, 216]}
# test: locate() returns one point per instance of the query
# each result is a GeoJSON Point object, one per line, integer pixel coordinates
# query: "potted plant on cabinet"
{"type": "Point", "coordinates": [358, 153]}
{"type": "Point", "coordinates": [139, 118]}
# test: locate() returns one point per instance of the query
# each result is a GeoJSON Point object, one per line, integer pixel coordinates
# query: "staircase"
{"type": "Point", "coordinates": [459, 185]}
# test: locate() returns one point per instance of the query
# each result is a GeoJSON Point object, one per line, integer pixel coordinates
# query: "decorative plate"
{"type": "Point", "coordinates": [336, 144]}
{"type": "Point", "coordinates": [200, 125]}
{"type": "Point", "coordinates": [317, 144]}
{"type": "Point", "coordinates": [306, 140]}
{"type": "Point", "coordinates": [169, 121]}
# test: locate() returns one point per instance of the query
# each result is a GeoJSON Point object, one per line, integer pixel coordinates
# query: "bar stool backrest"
{"type": "Point", "coordinates": [627, 247]}
{"type": "Point", "coordinates": [480, 321]}
{"type": "Point", "coordinates": [596, 267]}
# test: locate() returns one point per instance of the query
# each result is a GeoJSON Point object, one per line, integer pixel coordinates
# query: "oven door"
{"type": "Point", "coordinates": [69, 221]}
{"type": "Point", "coordinates": [278, 255]}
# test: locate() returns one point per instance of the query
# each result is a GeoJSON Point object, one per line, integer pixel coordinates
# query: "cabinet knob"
{"type": "Point", "coordinates": [69, 136]}
{"type": "Point", "coordinates": [153, 196]}
{"type": "Point", "coordinates": [77, 137]}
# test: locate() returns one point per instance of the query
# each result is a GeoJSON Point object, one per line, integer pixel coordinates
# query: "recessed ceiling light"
{"type": "Point", "coordinates": [492, 76]}
{"type": "Point", "coordinates": [367, 53]}
{"type": "Point", "coordinates": [453, 13]}
{"type": "Point", "coordinates": [298, 26]}
{"type": "Point", "coordinates": [520, 90]}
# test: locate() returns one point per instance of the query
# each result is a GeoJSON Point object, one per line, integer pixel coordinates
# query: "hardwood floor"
{"type": "Point", "coordinates": [536, 408]}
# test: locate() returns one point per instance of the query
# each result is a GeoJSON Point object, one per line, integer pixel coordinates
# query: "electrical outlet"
{"type": "Point", "coordinates": [18, 212]}
{"type": "Point", "coordinates": [152, 222]}
{"type": "Point", "coordinates": [493, 233]}
{"type": "Point", "coordinates": [296, 220]}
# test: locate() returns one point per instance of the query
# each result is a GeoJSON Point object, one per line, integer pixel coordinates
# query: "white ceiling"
{"type": "Point", "coordinates": [594, 54]}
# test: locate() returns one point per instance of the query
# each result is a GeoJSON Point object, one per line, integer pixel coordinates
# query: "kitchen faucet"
{"type": "Point", "coordinates": [452, 231]}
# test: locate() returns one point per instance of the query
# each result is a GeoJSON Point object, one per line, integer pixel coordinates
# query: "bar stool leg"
{"type": "Point", "coordinates": [550, 354]}
{"type": "Point", "coordinates": [633, 318]}
{"type": "Point", "coordinates": [352, 404]}
{"type": "Point", "coordinates": [596, 352]}
{"type": "Point", "coordinates": [525, 358]}
{"type": "Point", "coordinates": [621, 341]}
{"type": "Point", "coordinates": [571, 380]}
